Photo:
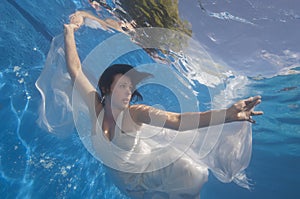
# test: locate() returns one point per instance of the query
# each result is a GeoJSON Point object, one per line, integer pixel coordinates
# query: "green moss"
{"type": "Point", "coordinates": [162, 14]}
{"type": "Point", "coordinates": [156, 13]}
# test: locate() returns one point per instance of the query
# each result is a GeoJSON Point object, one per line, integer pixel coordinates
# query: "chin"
{"type": "Point", "coordinates": [124, 106]}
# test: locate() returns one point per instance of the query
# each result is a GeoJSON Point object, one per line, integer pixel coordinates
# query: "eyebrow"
{"type": "Point", "coordinates": [125, 82]}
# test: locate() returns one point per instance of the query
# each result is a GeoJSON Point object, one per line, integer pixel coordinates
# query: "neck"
{"type": "Point", "coordinates": [111, 112]}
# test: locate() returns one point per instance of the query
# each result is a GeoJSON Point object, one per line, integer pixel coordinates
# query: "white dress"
{"type": "Point", "coordinates": [144, 168]}
{"type": "Point", "coordinates": [181, 178]}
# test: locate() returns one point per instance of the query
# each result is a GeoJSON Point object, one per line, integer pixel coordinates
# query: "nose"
{"type": "Point", "coordinates": [128, 90]}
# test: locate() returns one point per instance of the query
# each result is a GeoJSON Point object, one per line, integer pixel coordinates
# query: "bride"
{"type": "Point", "coordinates": [173, 172]}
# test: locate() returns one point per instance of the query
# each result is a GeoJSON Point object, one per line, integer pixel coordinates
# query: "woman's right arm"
{"type": "Point", "coordinates": [82, 84]}
{"type": "Point", "coordinates": [71, 55]}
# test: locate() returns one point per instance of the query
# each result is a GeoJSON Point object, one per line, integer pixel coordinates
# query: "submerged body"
{"type": "Point", "coordinates": [175, 171]}
{"type": "Point", "coordinates": [182, 178]}
{"type": "Point", "coordinates": [151, 167]}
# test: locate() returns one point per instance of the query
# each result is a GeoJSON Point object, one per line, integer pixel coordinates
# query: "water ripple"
{"type": "Point", "coordinates": [224, 15]}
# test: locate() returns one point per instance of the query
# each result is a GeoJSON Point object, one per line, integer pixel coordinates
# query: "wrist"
{"type": "Point", "coordinates": [228, 116]}
{"type": "Point", "coordinates": [69, 29]}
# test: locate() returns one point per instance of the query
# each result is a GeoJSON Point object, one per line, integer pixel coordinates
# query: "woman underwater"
{"type": "Point", "coordinates": [118, 122]}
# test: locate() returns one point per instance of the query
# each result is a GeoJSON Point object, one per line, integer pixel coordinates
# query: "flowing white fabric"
{"type": "Point", "coordinates": [143, 173]}
{"type": "Point", "coordinates": [55, 86]}
{"type": "Point", "coordinates": [164, 170]}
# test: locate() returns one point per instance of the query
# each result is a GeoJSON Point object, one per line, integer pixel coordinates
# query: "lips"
{"type": "Point", "coordinates": [126, 101]}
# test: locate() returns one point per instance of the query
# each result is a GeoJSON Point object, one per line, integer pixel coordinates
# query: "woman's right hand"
{"type": "Point", "coordinates": [77, 19]}
{"type": "Point", "coordinates": [70, 28]}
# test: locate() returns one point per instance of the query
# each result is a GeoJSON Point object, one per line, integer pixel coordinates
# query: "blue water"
{"type": "Point", "coordinates": [37, 164]}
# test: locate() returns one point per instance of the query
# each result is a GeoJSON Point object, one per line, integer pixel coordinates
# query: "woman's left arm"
{"type": "Point", "coordinates": [243, 110]}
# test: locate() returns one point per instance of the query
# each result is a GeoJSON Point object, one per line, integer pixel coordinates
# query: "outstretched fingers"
{"type": "Point", "coordinates": [251, 120]}
{"type": "Point", "coordinates": [251, 102]}
{"type": "Point", "coordinates": [252, 99]}
{"type": "Point", "coordinates": [255, 113]}
{"type": "Point", "coordinates": [255, 101]}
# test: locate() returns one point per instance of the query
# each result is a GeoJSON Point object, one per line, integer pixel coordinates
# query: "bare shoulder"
{"type": "Point", "coordinates": [144, 114]}
{"type": "Point", "coordinates": [141, 110]}
{"type": "Point", "coordinates": [131, 123]}
{"type": "Point", "coordinates": [139, 107]}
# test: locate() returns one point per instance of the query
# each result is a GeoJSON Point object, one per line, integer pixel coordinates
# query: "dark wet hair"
{"type": "Point", "coordinates": [107, 78]}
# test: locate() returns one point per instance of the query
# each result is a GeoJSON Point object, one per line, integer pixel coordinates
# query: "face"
{"type": "Point", "coordinates": [121, 91]}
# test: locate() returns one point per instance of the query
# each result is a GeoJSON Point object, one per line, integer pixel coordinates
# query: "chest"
{"type": "Point", "coordinates": [122, 124]}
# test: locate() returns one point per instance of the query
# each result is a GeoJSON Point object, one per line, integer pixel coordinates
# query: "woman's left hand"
{"type": "Point", "coordinates": [243, 110]}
